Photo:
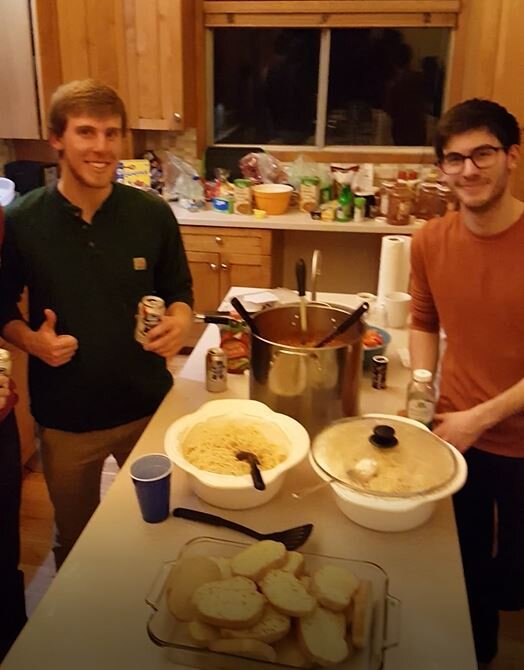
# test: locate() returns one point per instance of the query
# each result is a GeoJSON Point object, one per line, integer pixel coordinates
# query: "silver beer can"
{"type": "Point", "coordinates": [151, 309]}
{"type": "Point", "coordinates": [216, 370]}
{"type": "Point", "coordinates": [5, 362]}
{"type": "Point", "coordinates": [379, 368]}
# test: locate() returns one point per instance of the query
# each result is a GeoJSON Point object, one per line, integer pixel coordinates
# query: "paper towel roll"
{"type": "Point", "coordinates": [394, 268]}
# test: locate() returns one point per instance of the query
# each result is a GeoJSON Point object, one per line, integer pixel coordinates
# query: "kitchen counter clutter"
{"type": "Point", "coordinates": [292, 220]}
{"type": "Point", "coordinates": [95, 615]}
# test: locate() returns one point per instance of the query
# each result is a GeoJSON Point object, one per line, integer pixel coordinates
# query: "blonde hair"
{"type": "Point", "coordinates": [86, 96]}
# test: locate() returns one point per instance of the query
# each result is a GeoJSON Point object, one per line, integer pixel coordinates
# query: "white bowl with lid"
{"type": "Point", "coordinates": [406, 480]}
{"type": "Point", "coordinates": [237, 491]}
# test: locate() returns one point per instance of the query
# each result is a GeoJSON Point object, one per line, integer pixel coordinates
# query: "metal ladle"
{"type": "Point", "coordinates": [253, 461]}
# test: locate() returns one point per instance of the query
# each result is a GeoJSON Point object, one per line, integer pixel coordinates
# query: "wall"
{"type": "Point", "coordinates": [6, 154]}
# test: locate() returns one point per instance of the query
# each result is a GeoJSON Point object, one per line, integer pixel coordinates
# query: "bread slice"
{"type": "Point", "coordinates": [333, 586]}
{"type": "Point", "coordinates": [287, 594]}
{"type": "Point", "coordinates": [362, 614]}
{"type": "Point", "coordinates": [294, 563]}
{"type": "Point", "coordinates": [306, 581]}
{"type": "Point", "coordinates": [289, 652]}
{"type": "Point", "coordinates": [229, 603]}
{"type": "Point", "coordinates": [320, 637]}
{"type": "Point", "coordinates": [249, 648]}
{"type": "Point", "coordinates": [258, 559]}
{"type": "Point", "coordinates": [202, 634]}
{"type": "Point", "coordinates": [273, 626]}
{"type": "Point", "coordinates": [224, 565]}
{"type": "Point", "coordinates": [185, 577]}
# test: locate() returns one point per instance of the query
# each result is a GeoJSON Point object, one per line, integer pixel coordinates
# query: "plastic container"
{"type": "Point", "coordinates": [420, 403]}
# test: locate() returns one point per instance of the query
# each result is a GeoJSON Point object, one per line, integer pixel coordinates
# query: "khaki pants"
{"type": "Point", "coordinates": [72, 465]}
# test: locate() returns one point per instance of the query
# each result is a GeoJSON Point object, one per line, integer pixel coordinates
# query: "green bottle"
{"type": "Point", "coordinates": [345, 204]}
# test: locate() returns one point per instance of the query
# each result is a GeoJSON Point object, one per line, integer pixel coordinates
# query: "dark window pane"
{"type": "Point", "coordinates": [385, 85]}
{"type": "Point", "coordinates": [265, 85]}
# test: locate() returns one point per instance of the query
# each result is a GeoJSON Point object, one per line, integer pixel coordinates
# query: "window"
{"type": "Point", "coordinates": [347, 86]}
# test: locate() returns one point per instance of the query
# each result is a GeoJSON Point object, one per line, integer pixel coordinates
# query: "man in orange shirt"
{"type": "Point", "coordinates": [468, 279]}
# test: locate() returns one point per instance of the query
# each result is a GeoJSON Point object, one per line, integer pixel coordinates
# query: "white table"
{"type": "Point", "coordinates": [94, 616]}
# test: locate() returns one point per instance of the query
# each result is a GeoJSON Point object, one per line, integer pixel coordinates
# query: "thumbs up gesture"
{"type": "Point", "coordinates": [53, 349]}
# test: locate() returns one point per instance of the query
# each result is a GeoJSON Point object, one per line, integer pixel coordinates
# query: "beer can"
{"type": "Point", "coordinates": [5, 362]}
{"type": "Point", "coordinates": [379, 368]}
{"type": "Point", "coordinates": [216, 370]}
{"type": "Point", "coordinates": [151, 309]}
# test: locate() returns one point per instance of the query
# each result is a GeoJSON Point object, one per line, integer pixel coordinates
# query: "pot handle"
{"type": "Point", "coordinates": [392, 627]}
{"type": "Point", "coordinates": [157, 587]}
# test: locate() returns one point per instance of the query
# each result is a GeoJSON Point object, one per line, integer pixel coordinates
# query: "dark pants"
{"type": "Point", "coordinates": [12, 602]}
{"type": "Point", "coordinates": [490, 519]}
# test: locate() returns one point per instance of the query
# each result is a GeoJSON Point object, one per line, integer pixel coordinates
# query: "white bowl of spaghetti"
{"type": "Point", "coordinates": [204, 444]}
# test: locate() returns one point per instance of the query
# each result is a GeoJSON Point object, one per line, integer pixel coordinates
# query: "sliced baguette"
{"type": "Point", "coordinates": [229, 603]}
{"type": "Point", "coordinates": [287, 594]}
{"type": "Point", "coordinates": [255, 561]}
{"type": "Point", "coordinates": [273, 626]}
{"type": "Point", "coordinates": [224, 565]}
{"type": "Point", "coordinates": [202, 634]}
{"type": "Point", "coordinates": [294, 563]}
{"type": "Point", "coordinates": [249, 648]}
{"type": "Point", "coordinates": [289, 653]}
{"type": "Point", "coordinates": [320, 637]}
{"type": "Point", "coordinates": [333, 587]}
{"type": "Point", "coordinates": [362, 614]}
{"type": "Point", "coordinates": [184, 579]}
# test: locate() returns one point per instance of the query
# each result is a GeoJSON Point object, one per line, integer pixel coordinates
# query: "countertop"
{"type": "Point", "coordinates": [293, 220]}
{"type": "Point", "coordinates": [94, 614]}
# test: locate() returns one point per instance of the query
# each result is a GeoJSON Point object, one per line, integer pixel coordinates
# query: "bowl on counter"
{"type": "Point", "coordinates": [377, 350]}
{"type": "Point", "coordinates": [236, 491]}
{"type": "Point", "coordinates": [272, 198]}
{"type": "Point", "coordinates": [402, 470]}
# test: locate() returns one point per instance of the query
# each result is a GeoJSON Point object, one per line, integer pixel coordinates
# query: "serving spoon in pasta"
{"type": "Point", "coordinates": [253, 461]}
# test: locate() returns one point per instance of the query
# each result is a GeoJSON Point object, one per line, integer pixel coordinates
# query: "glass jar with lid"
{"type": "Point", "coordinates": [400, 204]}
{"type": "Point", "coordinates": [447, 201]}
{"type": "Point", "coordinates": [427, 201]}
{"type": "Point", "coordinates": [382, 197]}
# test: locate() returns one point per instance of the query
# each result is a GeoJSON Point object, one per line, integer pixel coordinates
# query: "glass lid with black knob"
{"type": "Point", "coordinates": [384, 456]}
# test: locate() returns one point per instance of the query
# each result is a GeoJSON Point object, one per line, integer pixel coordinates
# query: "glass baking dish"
{"type": "Point", "coordinates": [164, 630]}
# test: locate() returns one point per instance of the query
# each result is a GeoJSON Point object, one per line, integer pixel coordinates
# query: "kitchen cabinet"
{"type": "Point", "coordinates": [160, 52]}
{"type": "Point", "coordinates": [222, 257]}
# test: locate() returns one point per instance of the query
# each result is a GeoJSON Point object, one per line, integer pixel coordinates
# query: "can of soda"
{"type": "Point", "coordinates": [379, 368]}
{"type": "Point", "coordinates": [151, 309]}
{"type": "Point", "coordinates": [5, 362]}
{"type": "Point", "coordinates": [216, 370]}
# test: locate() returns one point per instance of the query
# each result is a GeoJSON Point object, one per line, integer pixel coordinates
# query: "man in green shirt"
{"type": "Point", "coordinates": [88, 251]}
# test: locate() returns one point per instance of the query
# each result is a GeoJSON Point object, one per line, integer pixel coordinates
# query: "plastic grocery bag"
{"type": "Point", "coordinates": [179, 178]}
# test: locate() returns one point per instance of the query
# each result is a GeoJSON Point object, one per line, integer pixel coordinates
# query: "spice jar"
{"type": "Point", "coordinates": [400, 203]}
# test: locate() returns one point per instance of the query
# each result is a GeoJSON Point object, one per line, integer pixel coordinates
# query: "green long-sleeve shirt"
{"type": "Point", "coordinates": [93, 276]}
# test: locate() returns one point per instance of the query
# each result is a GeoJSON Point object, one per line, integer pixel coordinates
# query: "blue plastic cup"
{"type": "Point", "coordinates": [151, 475]}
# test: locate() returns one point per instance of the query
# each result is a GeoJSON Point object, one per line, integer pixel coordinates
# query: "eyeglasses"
{"type": "Point", "coordinates": [482, 157]}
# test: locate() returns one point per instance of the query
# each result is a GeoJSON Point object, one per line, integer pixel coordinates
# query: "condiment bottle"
{"type": "Point", "coordinates": [421, 399]}
{"type": "Point", "coordinates": [345, 201]}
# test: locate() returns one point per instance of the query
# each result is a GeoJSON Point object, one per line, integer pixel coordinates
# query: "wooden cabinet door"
{"type": "Point", "coordinates": [205, 270]}
{"type": "Point", "coordinates": [244, 270]}
{"type": "Point", "coordinates": [18, 104]}
{"type": "Point", "coordinates": [160, 58]}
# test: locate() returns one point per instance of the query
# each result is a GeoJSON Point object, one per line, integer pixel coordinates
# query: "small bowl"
{"type": "Point", "coordinates": [380, 349]}
{"type": "Point", "coordinates": [236, 491]}
{"type": "Point", "coordinates": [273, 198]}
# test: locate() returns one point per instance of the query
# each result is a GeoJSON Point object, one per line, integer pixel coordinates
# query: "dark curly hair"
{"type": "Point", "coordinates": [475, 114]}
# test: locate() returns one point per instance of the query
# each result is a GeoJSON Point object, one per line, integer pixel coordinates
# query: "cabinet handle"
{"type": "Point", "coordinates": [213, 267]}
{"type": "Point", "coordinates": [177, 117]}
{"type": "Point", "coordinates": [219, 240]}
{"type": "Point", "coordinates": [224, 266]}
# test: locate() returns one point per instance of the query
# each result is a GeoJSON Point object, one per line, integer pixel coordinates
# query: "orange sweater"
{"type": "Point", "coordinates": [473, 287]}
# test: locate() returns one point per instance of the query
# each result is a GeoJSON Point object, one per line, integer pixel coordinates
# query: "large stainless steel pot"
{"type": "Point", "coordinates": [314, 386]}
